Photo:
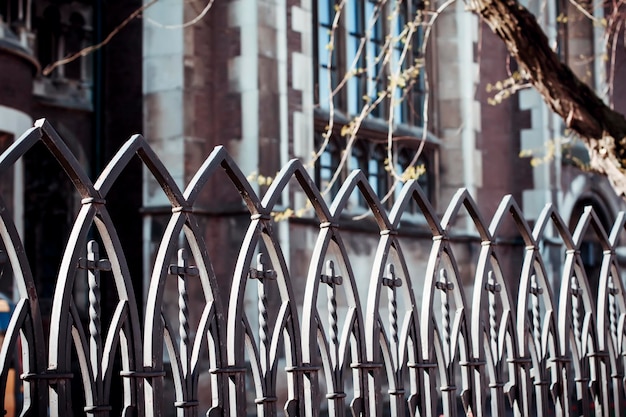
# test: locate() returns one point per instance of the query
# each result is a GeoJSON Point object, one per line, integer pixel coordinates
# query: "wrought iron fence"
{"type": "Point", "coordinates": [542, 346]}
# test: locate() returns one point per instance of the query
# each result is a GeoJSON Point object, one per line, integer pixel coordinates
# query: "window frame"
{"type": "Point", "coordinates": [352, 26]}
{"type": "Point", "coordinates": [371, 142]}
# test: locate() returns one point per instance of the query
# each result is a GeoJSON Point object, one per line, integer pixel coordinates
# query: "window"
{"type": "Point", "coordinates": [374, 57]}
{"type": "Point", "coordinates": [367, 31]}
{"type": "Point", "coordinates": [413, 167]}
{"type": "Point", "coordinates": [376, 172]}
{"type": "Point", "coordinates": [356, 59]}
{"type": "Point", "coordinates": [63, 30]}
{"type": "Point", "coordinates": [326, 166]}
{"type": "Point", "coordinates": [74, 42]}
{"type": "Point", "coordinates": [327, 70]}
{"type": "Point", "coordinates": [410, 99]}
{"type": "Point", "coordinates": [49, 34]}
{"type": "Point", "coordinates": [373, 54]}
{"type": "Point", "coordinates": [370, 157]}
{"type": "Point", "coordinates": [59, 30]}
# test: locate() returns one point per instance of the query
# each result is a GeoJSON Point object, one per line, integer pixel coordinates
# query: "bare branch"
{"type": "Point", "coordinates": [431, 23]}
{"type": "Point", "coordinates": [192, 22]}
{"type": "Point", "coordinates": [602, 129]}
{"type": "Point", "coordinates": [581, 9]}
{"type": "Point", "coordinates": [612, 62]}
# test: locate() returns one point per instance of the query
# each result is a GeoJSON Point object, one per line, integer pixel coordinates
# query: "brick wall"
{"type": "Point", "coordinates": [16, 82]}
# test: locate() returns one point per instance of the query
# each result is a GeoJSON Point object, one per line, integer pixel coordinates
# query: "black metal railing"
{"type": "Point", "coordinates": [402, 342]}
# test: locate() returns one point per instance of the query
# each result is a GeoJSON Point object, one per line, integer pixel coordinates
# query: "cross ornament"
{"type": "Point", "coordinates": [182, 268]}
{"type": "Point", "coordinates": [390, 280]}
{"type": "Point", "coordinates": [93, 261]}
{"type": "Point", "coordinates": [260, 272]}
{"type": "Point", "coordinates": [331, 278]}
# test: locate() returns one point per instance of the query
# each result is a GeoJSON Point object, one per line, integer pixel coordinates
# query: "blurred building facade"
{"type": "Point", "coordinates": [253, 75]}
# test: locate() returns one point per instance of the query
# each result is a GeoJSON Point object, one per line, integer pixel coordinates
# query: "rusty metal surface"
{"type": "Point", "coordinates": [409, 342]}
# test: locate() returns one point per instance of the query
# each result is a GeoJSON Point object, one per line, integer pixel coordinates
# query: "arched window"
{"type": "Point", "coordinates": [74, 42]}
{"type": "Point", "coordinates": [62, 29]}
{"type": "Point", "coordinates": [48, 35]}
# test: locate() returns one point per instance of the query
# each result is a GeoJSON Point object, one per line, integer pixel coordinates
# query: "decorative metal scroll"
{"type": "Point", "coordinates": [402, 341]}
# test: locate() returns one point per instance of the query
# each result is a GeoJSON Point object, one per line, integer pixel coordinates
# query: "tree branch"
{"type": "Point", "coordinates": [602, 129]}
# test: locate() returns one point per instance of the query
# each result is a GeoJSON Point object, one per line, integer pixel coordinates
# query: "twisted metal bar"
{"type": "Point", "coordinates": [331, 279]}
{"type": "Point", "coordinates": [493, 287]}
{"type": "Point", "coordinates": [263, 326]}
{"type": "Point", "coordinates": [93, 264]}
{"type": "Point", "coordinates": [613, 311]}
{"type": "Point", "coordinates": [392, 282]}
{"type": "Point", "coordinates": [576, 313]}
{"type": "Point", "coordinates": [183, 304]}
{"type": "Point", "coordinates": [183, 271]}
{"type": "Point", "coordinates": [95, 325]}
{"type": "Point", "coordinates": [444, 285]}
{"type": "Point", "coordinates": [535, 291]}
{"type": "Point", "coordinates": [262, 274]}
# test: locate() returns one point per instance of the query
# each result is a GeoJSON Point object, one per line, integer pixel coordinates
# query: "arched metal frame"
{"type": "Point", "coordinates": [529, 353]}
